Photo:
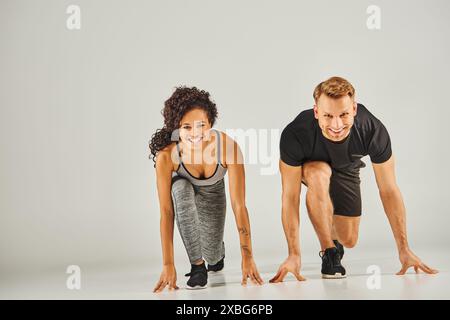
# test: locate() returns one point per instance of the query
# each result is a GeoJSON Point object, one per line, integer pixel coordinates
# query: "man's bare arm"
{"type": "Point", "coordinates": [291, 178]}
{"type": "Point", "coordinates": [394, 207]}
{"type": "Point", "coordinates": [392, 201]}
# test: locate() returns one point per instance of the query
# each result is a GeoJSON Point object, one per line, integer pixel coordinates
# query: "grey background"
{"type": "Point", "coordinates": [78, 108]}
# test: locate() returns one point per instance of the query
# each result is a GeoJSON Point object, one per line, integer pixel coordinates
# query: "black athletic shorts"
{"type": "Point", "coordinates": [345, 191]}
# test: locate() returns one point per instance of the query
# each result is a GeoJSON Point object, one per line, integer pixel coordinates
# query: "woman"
{"type": "Point", "coordinates": [191, 162]}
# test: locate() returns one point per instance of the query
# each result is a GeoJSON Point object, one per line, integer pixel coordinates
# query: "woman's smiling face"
{"type": "Point", "coordinates": [194, 128]}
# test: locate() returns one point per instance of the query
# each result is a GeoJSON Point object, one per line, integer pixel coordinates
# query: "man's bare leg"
{"type": "Point", "coordinates": [346, 230]}
{"type": "Point", "coordinates": [317, 176]}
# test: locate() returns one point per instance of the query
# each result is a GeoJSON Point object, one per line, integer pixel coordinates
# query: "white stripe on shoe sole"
{"type": "Point", "coordinates": [334, 276]}
{"type": "Point", "coordinates": [198, 287]}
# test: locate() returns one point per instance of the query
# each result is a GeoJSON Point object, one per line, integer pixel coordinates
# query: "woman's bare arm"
{"type": "Point", "coordinates": [236, 178]}
{"type": "Point", "coordinates": [164, 168]}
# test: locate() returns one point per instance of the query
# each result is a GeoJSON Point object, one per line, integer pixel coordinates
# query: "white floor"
{"type": "Point", "coordinates": [136, 282]}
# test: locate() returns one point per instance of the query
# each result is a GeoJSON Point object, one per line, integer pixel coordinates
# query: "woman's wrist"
{"type": "Point", "coordinates": [168, 264]}
{"type": "Point", "coordinates": [247, 255]}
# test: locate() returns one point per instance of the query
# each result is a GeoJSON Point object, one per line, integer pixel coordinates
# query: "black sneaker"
{"type": "Point", "coordinates": [216, 267]}
{"type": "Point", "coordinates": [198, 277]}
{"type": "Point", "coordinates": [340, 248]}
{"type": "Point", "coordinates": [331, 264]}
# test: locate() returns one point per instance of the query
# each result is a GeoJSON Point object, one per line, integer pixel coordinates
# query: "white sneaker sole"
{"type": "Point", "coordinates": [334, 276]}
{"type": "Point", "coordinates": [197, 287]}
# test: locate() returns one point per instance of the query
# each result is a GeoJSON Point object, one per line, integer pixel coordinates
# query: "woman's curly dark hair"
{"type": "Point", "coordinates": [181, 101]}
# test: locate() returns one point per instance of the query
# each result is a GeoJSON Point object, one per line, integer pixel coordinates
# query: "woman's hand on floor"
{"type": "Point", "coordinates": [168, 278]}
{"type": "Point", "coordinates": [249, 270]}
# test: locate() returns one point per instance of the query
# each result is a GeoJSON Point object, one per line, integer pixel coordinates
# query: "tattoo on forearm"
{"type": "Point", "coordinates": [244, 231]}
{"type": "Point", "coordinates": [246, 250]}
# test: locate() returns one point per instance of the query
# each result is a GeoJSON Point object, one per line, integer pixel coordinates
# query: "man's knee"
{"type": "Point", "coordinates": [349, 241]}
{"type": "Point", "coordinates": [316, 173]}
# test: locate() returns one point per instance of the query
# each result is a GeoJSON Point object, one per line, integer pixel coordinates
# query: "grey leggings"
{"type": "Point", "coordinates": [200, 217]}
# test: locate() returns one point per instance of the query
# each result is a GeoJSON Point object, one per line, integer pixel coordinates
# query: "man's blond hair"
{"type": "Point", "coordinates": [334, 87]}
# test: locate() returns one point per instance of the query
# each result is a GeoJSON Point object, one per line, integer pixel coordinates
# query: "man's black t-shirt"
{"type": "Point", "coordinates": [302, 140]}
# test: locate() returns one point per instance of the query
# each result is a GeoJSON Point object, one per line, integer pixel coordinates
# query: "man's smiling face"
{"type": "Point", "coordinates": [335, 116]}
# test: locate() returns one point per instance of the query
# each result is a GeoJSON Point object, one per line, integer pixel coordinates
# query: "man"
{"type": "Point", "coordinates": [322, 148]}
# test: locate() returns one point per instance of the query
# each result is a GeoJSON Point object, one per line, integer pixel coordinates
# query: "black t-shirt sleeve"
{"type": "Point", "coordinates": [380, 145]}
{"type": "Point", "coordinates": [291, 151]}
